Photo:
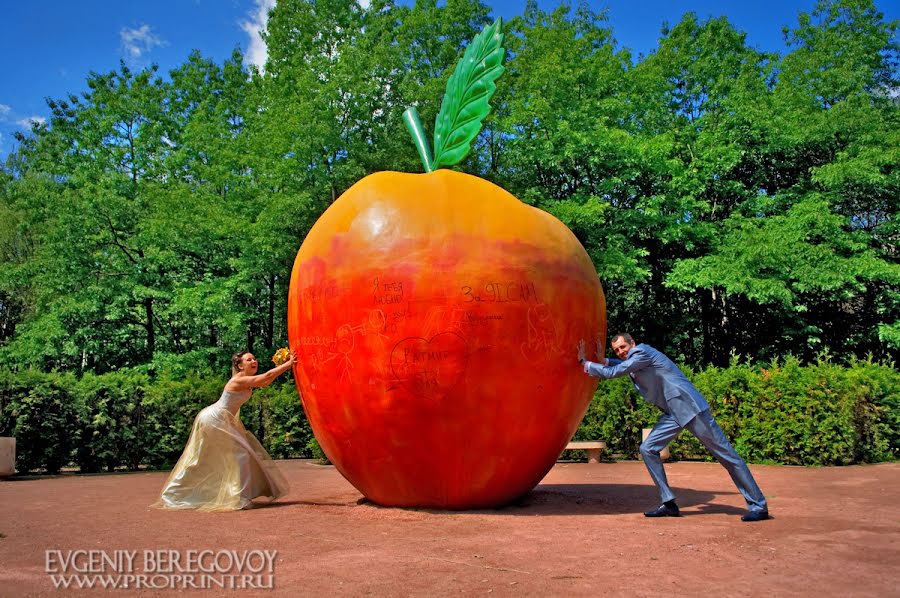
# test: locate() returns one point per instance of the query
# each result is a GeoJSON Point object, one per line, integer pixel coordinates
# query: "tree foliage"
{"type": "Point", "coordinates": [732, 200]}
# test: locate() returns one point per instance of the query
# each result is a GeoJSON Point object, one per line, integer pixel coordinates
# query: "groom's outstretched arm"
{"type": "Point", "coordinates": [616, 368]}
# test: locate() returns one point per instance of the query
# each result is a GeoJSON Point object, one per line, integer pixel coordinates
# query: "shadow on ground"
{"type": "Point", "coordinates": [596, 499]}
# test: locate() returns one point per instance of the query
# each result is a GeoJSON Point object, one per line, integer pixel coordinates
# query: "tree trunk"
{"type": "Point", "coordinates": [706, 324]}
{"type": "Point", "coordinates": [151, 333]}
{"type": "Point", "coordinates": [270, 321]}
{"type": "Point", "coordinates": [719, 333]}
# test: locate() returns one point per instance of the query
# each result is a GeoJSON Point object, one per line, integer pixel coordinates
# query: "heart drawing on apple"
{"type": "Point", "coordinates": [430, 368]}
{"type": "Point", "coordinates": [436, 320]}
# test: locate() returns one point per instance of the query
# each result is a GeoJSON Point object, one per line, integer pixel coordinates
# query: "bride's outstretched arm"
{"type": "Point", "coordinates": [261, 380]}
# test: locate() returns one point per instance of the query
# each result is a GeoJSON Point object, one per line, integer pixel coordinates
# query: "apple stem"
{"type": "Point", "coordinates": [414, 126]}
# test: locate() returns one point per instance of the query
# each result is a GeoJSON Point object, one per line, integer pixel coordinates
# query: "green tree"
{"type": "Point", "coordinates": [561, 138]}
{"type": "Point", "coordinates": [732, 200]}
{"type": "Point", "coordinates": [692, 106]}
{"type": "Point", "coordinates": [809, 262]}
{"type": "Point", "coordinates": [92, 278]}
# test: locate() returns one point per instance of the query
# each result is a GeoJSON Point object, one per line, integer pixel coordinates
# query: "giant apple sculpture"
{"type": "Point", "coordinates": [436, 319]}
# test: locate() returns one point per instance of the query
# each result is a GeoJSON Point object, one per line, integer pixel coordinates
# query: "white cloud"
{"type": "Point", "coordinates": [135, 42]}
{"type": "Point", "coordinates": [4, 111]}
{"type": "Point", "coordinates": [31, 120]}
{"type": "Point", "coordinates": [257, 52]}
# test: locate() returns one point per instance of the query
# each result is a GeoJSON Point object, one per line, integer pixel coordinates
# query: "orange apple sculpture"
{"type": "Point", "coordinates": [437, 319]}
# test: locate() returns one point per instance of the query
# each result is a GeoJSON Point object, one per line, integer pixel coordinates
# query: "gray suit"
{"type": "Point", "coordinates": [661, 383]}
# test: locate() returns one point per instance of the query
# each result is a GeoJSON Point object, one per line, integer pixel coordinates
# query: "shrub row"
{"type": "Point", "coordinates": [127, 419]}
{"type": "Point", "coordinates": [820, 414]}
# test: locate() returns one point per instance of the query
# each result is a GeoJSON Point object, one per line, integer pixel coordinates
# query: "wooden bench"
{"type": "Point", "coordinates": [593, 449]}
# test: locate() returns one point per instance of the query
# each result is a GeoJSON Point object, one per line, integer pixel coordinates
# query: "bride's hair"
{"type": "Point", "coordinates": [236, 361]}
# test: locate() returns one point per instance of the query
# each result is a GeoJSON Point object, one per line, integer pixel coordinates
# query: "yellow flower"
{"type": "Point", "coordinates": [281, 356]}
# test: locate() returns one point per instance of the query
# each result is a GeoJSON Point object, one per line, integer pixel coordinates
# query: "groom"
{"type": "Point", "coordinates": [661, 383]}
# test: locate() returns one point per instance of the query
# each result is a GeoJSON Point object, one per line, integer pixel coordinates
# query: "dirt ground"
{"type": "Point", "coordinates": [835, 532]}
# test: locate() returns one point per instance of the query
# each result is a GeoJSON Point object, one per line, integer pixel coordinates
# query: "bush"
{"type": "Point", "coordinates": [111, 428]}
{"type": "Point", "coordinates": [316, 451]}
{"type": "Point", "coordinates": [130, 419]}
{"type": "Point", "coordinates": [170, 407]}
{"type": "Point", "coordinates": [615, 415]}
{"type": "Point", "coordinates": [40, 411]}
{"type": "Point", "coordinates": [821, 414]}
{"type": "Point", "coordinates": [287, 433]}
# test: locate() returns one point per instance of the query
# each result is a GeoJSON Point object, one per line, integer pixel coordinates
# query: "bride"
{"type": "Point", "coordinates": [224, 467]}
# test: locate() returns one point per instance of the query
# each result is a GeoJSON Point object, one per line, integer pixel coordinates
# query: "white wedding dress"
{"type": "Point", "coordinates": [223, 467]}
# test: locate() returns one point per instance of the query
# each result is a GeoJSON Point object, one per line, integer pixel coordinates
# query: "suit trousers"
{"type": "Point", "coordinates": [705, 428]}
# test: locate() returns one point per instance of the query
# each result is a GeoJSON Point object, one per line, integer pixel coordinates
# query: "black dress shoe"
{"type": "Point", "coordinates": [664, 511]}
{"type": "Point", "coordinates": [755, 516]}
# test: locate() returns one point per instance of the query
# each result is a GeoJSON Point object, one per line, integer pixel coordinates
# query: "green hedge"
{"type": "Point", "coordinates": [41, 411]}
{"type": "Point", "coordinates": [128, 419]}
{"type": "Point", "coordinates": [820, 414]}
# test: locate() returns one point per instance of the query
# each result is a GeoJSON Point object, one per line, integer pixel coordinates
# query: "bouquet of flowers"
{"type": "Point", "coordinates": [281, 356]}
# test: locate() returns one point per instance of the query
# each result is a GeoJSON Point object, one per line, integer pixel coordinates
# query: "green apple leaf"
{"type": "Point", "coordinates": [465, 102]}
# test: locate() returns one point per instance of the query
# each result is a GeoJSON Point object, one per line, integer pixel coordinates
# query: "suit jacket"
{"type": "Point", "coordinates": [658, 380]}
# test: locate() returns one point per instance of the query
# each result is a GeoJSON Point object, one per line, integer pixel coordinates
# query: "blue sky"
{"type": "Point", "coordinates": [48, 47]}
